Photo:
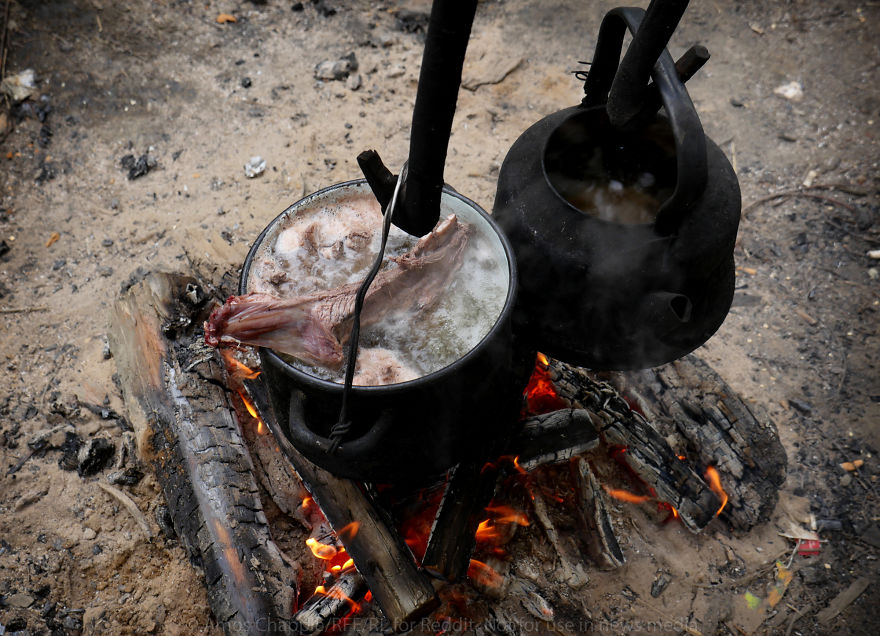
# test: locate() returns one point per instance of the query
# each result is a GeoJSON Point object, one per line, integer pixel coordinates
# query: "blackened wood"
{"type": "Point", "coordinates": [187, 433]}
{"type": "Point", "coordinates": [688, 401]}
{"type": "Point", "coordinates": [554, 437]}
{"type": "Point", "coordinates": [402, 591]}
{"type": "Point", "coordinates": [323, 610]}
{"type": "Point", "coordinates": [453, 533]}
{"type": "Point", "coordinates": [592, 514]}
{"type": "Point", "coordinates": [642, 447]}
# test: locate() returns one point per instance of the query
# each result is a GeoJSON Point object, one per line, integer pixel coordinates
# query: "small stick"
{"type": "Point", "coordinates": [796, 193]}
{"type": "Point", "coordinates": [21, 310]}
{"type": "Point", "coordinates": [130, 505]}
{"type": "Point", "coordinates": [796, 616]}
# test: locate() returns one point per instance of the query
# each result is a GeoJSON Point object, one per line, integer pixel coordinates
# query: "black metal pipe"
{"type": "Point", "coordinates": [627, 96]}
{"type": "Point", "coordinates": [418, 210]}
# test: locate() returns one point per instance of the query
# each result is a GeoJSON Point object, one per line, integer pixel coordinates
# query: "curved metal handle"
{"type": "Point", "coordinates": [303, 437]}
{"type": "Point", "coordinates": [690, 140]}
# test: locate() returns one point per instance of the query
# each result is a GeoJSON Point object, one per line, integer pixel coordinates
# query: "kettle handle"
{"type": "Point", "coordinates": [690, 140]}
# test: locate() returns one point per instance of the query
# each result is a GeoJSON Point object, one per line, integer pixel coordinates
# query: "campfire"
{"type": "Point", "coordinates": [585, 452]}
{"type": "Point", "coordinates": [483, 508]}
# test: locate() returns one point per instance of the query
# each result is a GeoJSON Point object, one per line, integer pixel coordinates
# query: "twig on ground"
{"type": "Point", "coordinates": [796, 194]}
{"type": "Point", "coordinates": [794, 618]}
{"type": "Point", "coordinates": [21, 310]}
{"type": "Point", "coordinates": [130, 505]}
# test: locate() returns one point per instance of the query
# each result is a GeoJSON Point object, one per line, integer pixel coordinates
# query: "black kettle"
{"type": "Point", "coordinates": [622, 220]}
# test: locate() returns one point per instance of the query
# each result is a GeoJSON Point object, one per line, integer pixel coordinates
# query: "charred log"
{"type": "Point", "coordinates": [595, 521]}
{"type": "Point", "coordinates": [187, 433]}
{"type": "Point", "coordinates": [453, 535]}
{"type": "Point", "coordinates": [642, 448]}
{"type": "Point", "coordinates": [323, 610]}
{"type": "Point", "coordinates": [687, 400]}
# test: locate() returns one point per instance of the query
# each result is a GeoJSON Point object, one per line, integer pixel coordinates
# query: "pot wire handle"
{"type": "Point", "coordinates": [343, 424]}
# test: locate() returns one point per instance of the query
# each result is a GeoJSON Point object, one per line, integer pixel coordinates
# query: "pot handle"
{"type": "Point", "coordinates": [690, 140]}
{"type": "Point", "coordinates": [303, 437]}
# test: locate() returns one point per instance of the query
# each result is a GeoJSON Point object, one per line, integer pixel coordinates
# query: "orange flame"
{"type": "Point", "coordinates": [321, 550]}
{"type": "Point", "coordinates": [625, 495]}
{"type": "Point", "coordinates": [253, 412]}
{"type": "Point", "coordinates": [487, 532]}
{"type": "Point", "coordinates": [543, 360]}
{"type": "Point", "coordinates": [236, 369]}
{"type": "Point", "coordinates": [481, 573]}
{"type": "Point", "coordinates": [506, 514]}
{"type": "Point", "coordinates": [715, 486]}
{"type": "Point", "coordinates": [349, 531]}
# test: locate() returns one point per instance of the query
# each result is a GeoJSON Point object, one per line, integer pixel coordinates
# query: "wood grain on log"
{"type": "Point", "coordinates": [187, 433]}
{"type": "Point", "coordinates": [688, 401]}
{"type": "Point", "coordinates": [325, 609]}
{"type": "Point", "coordinates": [403, 592]}
{"type": "Point", "coordinates": [595, 522]}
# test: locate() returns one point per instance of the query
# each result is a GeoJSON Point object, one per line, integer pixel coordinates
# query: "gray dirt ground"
{"type": "Point", "coordinates": [166, 77]}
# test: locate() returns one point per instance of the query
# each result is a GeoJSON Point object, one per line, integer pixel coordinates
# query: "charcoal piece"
{"type": "Point", "coordinates": [138, 167]}
{"type": "Point", "coordinates": [323, 8]}
{"type": "Point", "coordinates": [94, 456]}
{"type": "Point", "coordinates": [165, 522]}
{"type": "Point", "coordinates": [4, 248]}
{"type": "Point", "coordinates": [659, 585]}
{"type": "Point", "coordinates": [128, 477]}
{"type": "Point", "coordinates": [69, 459]}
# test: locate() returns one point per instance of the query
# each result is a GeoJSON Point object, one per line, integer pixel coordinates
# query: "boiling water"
{"type": "Point", "coordinates": [327, 244]}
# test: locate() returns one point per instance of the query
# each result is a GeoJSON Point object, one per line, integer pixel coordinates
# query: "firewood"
{"type": "Point", "coordinates": [571, 574]}
{"type": "Point", "coordinates": [593, 517]}
{"type": "Point", "coordinates": [554, 437]}
{"type": "Point", "coordinates": [401, 590]}
{"type": "Point", "coordinates": [453, 534]}
{"type": "Point", "coordinates": [187, 433]}
{"type": "Point", "coordinates": [645, 451]}
{"type": "Point", "coordinates": [687, 400]}
{"type": "Point", "coordinates": [323, 610]}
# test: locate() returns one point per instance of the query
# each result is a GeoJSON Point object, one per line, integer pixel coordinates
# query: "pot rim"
{"type": "Point", "coordinates": [400, 387]}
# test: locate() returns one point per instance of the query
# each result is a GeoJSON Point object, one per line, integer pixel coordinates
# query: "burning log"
{"type": "Point", "coordinates": [688, 400]}
{"type": "Point", "coordinates": [403, 592]}
{"type": "Point", "coordinates": [592, 514]}
{"type": "Point", "coordinates": [640, 446]}
{"type": "Point", "coordinates": [327, 608]}
{"type": "Point", "coordinates": [543, 439]}
{"type": "Point", "coordinates": [571, 574]}
{"type": "Point", "coordinates": [453, 535]}
{"type": "Point", "coordinates": [186, 431]}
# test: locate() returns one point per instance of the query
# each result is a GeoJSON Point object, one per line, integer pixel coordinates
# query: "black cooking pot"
{"type": "Point", "coordinates": [413, 429]}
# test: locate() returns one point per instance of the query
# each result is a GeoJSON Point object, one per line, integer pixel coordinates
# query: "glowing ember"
{"type": "Point", "coordinates": [625, 495]}
{"type": "Point", "coordinates": [348, 564]}
{"type": "Point", "coordinates": [481, 573]}
{"type": "Point", "coordinates": [487, 532]}
{"type": "Point", "coordinates": [235, 368]}
{"type": "Point", "coordinates": [715, 485]}
{"type": "Point", "coordinates": [540, 394]}
{"type": "Point", "coordinates": [321, 550]}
